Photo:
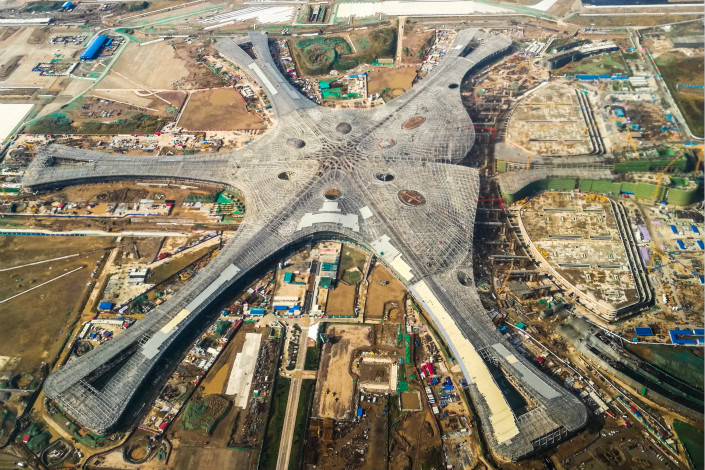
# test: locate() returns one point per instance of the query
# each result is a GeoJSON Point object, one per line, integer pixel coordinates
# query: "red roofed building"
{"type": "Point", "coordinates": [428, 369]}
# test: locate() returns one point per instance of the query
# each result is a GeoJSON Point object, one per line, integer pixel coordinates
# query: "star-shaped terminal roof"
{"type": "Point", "coordinates": [387, 179]}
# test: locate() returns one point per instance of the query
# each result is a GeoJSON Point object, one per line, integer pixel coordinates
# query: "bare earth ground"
{"type": "Point", "coordinates": [335, 384]}
{"type": "Point", "coordinates": [152, 66]}
{"type": "Point", "coordinates": [398, 80]}
{"type": "Point", "coordinates": [416, 37]}
{"type": "Point", "coordinates": [33, 323]}
{"type": "Point", "coordinates": [218, 109]}
{"type": "Point", "coordinates": [340, 300]}
{"type": "Point", "coordinates": [378, 295]}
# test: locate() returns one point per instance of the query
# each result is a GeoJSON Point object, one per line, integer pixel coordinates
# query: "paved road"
{"type": "Point", "coordinates": [292, 405]}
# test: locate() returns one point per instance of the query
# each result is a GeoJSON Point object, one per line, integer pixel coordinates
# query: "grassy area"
{"type": "Point", "coordinates": [42, 7]}
{"type": "Point", "coordinates": [682, 363]}
{"type": "Point", "coordinates": [692, 439]}
{"type": "Point", "coordinates": [678, 68]}
{"type": "Point", "coordinates": [380, 43]}
{"type": "Point", "coordinates": [351, 257]}
{"type": "Point", "coordinates": [302, 414]}
{"type": "Point", "coordinates": [54, 123]}
{"type": "Point", "coordinates": [312, 354]}
{"type": "Point", "coordinates": [352, 277]}
{"type": "Point", "coordinates": [273, 436]}
{"type": "Point", "coordinates": [601, 64]}
{"type": "Point", "coordinates": [58, 123]}
{"type": "Point", "coordinates": [198, 417]}
{"type": "Point", "coordinates": [319, 55]}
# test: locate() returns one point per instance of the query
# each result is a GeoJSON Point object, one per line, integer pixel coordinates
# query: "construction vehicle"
{"type": "Point", "coordinates": [631, 142]}
{"type": "Point", "coordinates": [511, 268]}
{"type": "Point", "coordinates": [660, 175]}
{"type": "Point", "coordinates": [665, 258]}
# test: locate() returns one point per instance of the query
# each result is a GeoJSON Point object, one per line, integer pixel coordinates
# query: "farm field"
{"type": "Point", "coordinates": [218, 109]}
{"type": "Point", "coordinates": [37, 323]}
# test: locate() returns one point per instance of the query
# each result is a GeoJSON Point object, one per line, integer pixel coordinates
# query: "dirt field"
{"type": "Point", "coordinates": [152, 66]}
{"type": "Point", "coordinates": [36, 323]}
{"type": "Point", "coordinates": [396, 80]}
{"type": "Point", "coordinates": [127, 192]}
{"type": "Point", "coordinates": [341, 300]}
{"type": "Point", "coordinates": [285, 289]}
{"type": "Point", "coordinates": [379, 295]}
{"type": "Point", "coordinates": [217, 378]}
{"type": "Point", "coordinates": [415, 441]}
{"type": "Point", "coordinates": [416, 42]}
{"type": "Point", "coordinates": [335, 385]}
{"type": "Point", "coordinates": [410, 400]}
{"type": "Point", "coordinates": [220, 109]}
{"type": "Point", "coordinates": [210, 457]}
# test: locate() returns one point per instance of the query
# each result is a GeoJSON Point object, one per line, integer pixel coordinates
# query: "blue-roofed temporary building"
{"type": "Point", "coordinates": [256, 311]}
{"type": "Point", "coordinates": [643, 331]}
{"type": "Point", "coordinates": [681, 245]}
{"type": "Point", "coordinates": [674, 229]}
{"type": "Point", "coordinates": [677, 337]}
{"type": "Point", "coordinates": [695, 229]}
{"type": "Point", "coordinates": [701, 245]}
{"type": "Point", "coordinates": [94, 48]}
{"type": "Point", "coordinates": [699, 331]}
{"type": "Point", "coordinates": [105, 306]}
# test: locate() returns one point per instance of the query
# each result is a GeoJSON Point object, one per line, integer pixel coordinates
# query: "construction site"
{"type": "Point", "coordinates": [346, 236]}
